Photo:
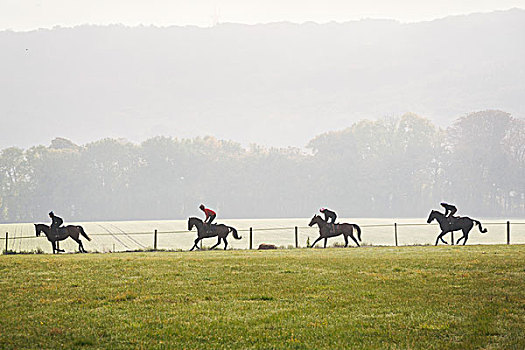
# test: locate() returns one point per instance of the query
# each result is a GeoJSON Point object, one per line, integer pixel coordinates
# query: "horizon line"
{"type": "Point", "coordinates": [159, 26]}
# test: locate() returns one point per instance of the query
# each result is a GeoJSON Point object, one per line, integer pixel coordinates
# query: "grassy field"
{"type": "Point", "coordinates": [371, 298]}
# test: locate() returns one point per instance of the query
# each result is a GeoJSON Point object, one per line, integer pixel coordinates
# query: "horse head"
{"type": "Point", "coordinates": [39, 228]}
{"type": "Point", "coordinates": [431, 216]}
{"type": "Point", "coordinates": [315, 220]}
{"type": "Point", "coordinates": [194, 222]}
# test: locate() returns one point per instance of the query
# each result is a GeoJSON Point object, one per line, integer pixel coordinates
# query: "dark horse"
{"type": "Point", "coordinates": [63, 233]}
{"type": "Point", "coordinates": [325, 230]}
{"type": "Point", "coordinates": [464, 224]}
{"type": "Point", "coordinates": [207, 231]}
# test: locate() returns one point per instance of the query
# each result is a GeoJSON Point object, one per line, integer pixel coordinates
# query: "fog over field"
{"type": "Point", "coordinates": [276, 84]}
{"type": "Point", "coordinates": [371, 117]}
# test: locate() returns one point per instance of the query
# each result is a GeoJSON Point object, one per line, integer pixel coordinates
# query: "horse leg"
{"type": "Point", "coordinates": [355, 240]}
{"type": "Point", "coordinates": [58, 248]}
{"type": "Point", "coordinates": [325, 240]}
{"type": "Point", "coordinates": [80, 247]}
{"type": "Point", "coordinates": [225, 242]}
{"type": "Point", "coordinates": [218, 242]}
{"type": "Point", "coordinates": [346, 240]}
{"type": "Point", "coordinates": [440, 237]}
{"type": "Point", "coordinates": [54, 245]}
{"type": "Point", "coordinates": [317, 240]}
{"type": "Point", "coordinates": [195, 245]}
{"type": "Point", "coordinates": [465, 234]}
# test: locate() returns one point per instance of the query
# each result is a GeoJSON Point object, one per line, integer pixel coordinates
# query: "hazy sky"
{"type": "Point", "coordinates": [31, 14]}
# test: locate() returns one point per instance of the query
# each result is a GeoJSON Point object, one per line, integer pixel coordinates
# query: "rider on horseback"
{"type": "Point", "coordinates": [450, 210]}
{"type": "Point", "coordinates": [328, 214]}
{"type": "Point", "coordinates": [210, 215]}
{"type": "Point", "coordinates": [56, 222]}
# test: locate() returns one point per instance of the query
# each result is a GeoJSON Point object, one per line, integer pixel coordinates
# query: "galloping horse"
{"type": "Point", "coordinates": [62, 233]}
{"type": "Point", "coordinates": [325, 230]}
{"type": "Point", "coordinates": [463, 223]}
{"type": "Point", "coordinates": [205, 231]}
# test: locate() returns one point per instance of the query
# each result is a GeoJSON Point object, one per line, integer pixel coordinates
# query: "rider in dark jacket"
{"type": "Point", "coordinates": [450, 210]}
{"type": "Point", "coordinates": [328, 214]}
{"type": "Point", "coordinates": [56, 222]}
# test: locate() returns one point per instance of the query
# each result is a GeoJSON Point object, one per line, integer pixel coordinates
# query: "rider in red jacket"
{"type": "Point", "coordinates": [210, 214]}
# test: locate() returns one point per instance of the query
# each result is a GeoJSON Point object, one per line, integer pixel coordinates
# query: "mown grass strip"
{"type": "Point", "coordinates": [368, 298]}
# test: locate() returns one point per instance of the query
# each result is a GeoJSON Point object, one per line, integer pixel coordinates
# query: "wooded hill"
{"type": "Point", "coordinates": [276, 84]}
{"type": "Point", "coordinates": [391, 167]}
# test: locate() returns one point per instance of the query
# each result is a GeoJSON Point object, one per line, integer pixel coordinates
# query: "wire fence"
{"type": "Point", "coordinates": [121, 236]}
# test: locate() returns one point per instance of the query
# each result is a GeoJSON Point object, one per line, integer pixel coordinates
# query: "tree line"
{"type": "Point", "coordinates": [392, 167]}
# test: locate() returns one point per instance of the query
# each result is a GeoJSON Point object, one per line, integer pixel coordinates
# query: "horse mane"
{"type": "Point", "coordinates": [195, 218]}
{"type": "Point", "coordinates": [42, 225]}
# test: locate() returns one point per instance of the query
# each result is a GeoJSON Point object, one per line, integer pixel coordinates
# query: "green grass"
{"type": "Point", "coordinates": [371, 298]}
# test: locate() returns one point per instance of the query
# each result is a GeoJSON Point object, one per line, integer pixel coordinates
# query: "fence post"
{"type": "Point", "coordinates": [155, 240]}
{"type": "Point", "coordinates": [395, 231]}
{"type": "Point", "coordinates": [296, 237]}
{"type": "Point", "coordinates": [251, 238]}
{"type": "Point", "coordinates": [6, 235]}
{"type": "Point", "coordinates": [508, 232]}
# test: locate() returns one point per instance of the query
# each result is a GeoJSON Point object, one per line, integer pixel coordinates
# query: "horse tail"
{"type": "Point", "coordinates": [234, 231]}
{"type": "Point", "coordinates": [83, 233]}
{"type": "Point", "coordinates": [481, 229]}
{"type": "Point", "coordinates": [358, 231]}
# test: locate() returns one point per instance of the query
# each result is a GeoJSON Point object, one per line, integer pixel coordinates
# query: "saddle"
{"type": "Point", "coordinates": [210, 227]}
{"type": "Point", "coordinates": [453, 219]}
{"type": "Point", "coordinates": [59, 232]}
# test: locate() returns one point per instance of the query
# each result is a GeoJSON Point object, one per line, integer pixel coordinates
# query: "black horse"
{"type": "Point", "coordinates": [325, 230]}
{"type": "Point", "coordinates": [207, 231]}
{"type": "Point", "coordinates": [463, 223]}
{"type": "Point", "coordinates": [62, 233]}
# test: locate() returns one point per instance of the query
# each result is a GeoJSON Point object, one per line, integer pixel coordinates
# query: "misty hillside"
{"type": "Point", "coordinates": [273, 84]}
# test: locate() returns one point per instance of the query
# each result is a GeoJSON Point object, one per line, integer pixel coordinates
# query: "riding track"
{"type": "Point", "coordinates": [422, 297]}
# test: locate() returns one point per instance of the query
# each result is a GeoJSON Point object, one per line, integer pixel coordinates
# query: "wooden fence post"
{"type": "Point", "coordinates": [395, 232]}
{"type": "Point", "coordinates": [6, 235]}
{"type": "Point", "coordinates": [251, 238]}
{"type": "Point", "coordinates": [508, 232]}
{"type": "Point", "coordinates": [155, 240]}
{"type": "Point", "coordinates": [296, 237]}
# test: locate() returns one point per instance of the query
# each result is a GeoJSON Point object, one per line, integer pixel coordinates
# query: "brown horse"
{"type": "Point", "coordinates": [463, 223]}
{"type": "Point", "coordinates": [207, 231]}
{"type": "Point", "coordinates": [326, 231]}
{"type": "Point", "coordinates": [62, 233]}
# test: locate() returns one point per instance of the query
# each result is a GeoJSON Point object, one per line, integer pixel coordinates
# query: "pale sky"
{"type": "Point", "coordinates": [23, 15]}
